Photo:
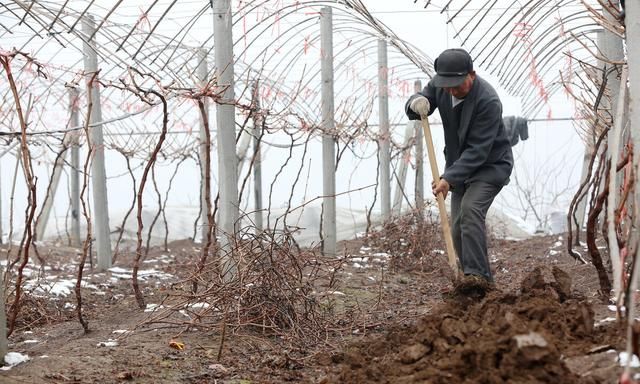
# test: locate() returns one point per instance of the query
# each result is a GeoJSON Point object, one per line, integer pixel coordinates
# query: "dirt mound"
{"type": "Point", "coordinates": [515, 338]}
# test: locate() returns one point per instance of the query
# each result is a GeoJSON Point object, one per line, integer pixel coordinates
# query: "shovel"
{"type": "Point", "coordinates": [444, 219]}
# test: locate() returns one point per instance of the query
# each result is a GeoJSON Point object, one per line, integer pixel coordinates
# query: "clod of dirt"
{"type": "Point", "coordinates": [451, 330]}
{"type": "Point", "coordinates": [562, 282]}
{"type": "Point", "coordinates": [533, 281]}
{"type": "Point", "coordinates": [413, 353]}
{"type": "Point", "coordinates": [532, 346]}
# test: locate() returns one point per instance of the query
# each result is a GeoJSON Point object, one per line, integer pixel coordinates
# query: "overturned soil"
{"type": "Point", "coordinates": [506, 337]}
{"type": "Point", "coordinates": [388, 314]}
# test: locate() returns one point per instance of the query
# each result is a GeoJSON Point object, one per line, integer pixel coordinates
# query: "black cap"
{"type": "Point", "coordinates": [452, 66]}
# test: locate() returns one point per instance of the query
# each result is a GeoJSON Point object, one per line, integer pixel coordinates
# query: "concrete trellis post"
{"type": "Point", "coordinates": [419, 157]}
{"type": "Point", "coordinates": [328, 141]}
{"type": "Point", "coordinates": [612, 156]}
{"type": "Point", "coordinates": [385, 156]}
{"type": "Point", "coordinates": [257, 162]}
{"type": "Point", "coordinates": [632, 21]}
{"type": "Point", "coordinates": [226, 127]}
{"type": "Point", "coordinates": [202, 72]}
{"type": "Point", "coordinates": [98, 172]}
{"type": "Point", "coordinates": [3, 319]}
{"type": "Point", "coordinates": [75, 169]}
{"type": "Point", "coordinates": [612, 49]}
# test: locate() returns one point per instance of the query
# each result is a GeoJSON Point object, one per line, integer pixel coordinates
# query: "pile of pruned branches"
{"type": "Point", "coordinates": [275, 288]}
{"type": "Point", "coordinates": [410, 240]}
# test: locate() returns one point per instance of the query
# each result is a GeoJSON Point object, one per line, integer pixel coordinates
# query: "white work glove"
{"type": "Point", "coordinates": [420, 105]}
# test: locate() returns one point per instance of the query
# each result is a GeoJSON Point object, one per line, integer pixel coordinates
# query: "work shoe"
{"type": "Point", "coordinates": [472, 285]}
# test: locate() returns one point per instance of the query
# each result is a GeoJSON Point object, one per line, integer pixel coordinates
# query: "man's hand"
{"type": "Point", "coordinates": [441, 185]}
{"type": "Point", "coordinates": [420, 105]}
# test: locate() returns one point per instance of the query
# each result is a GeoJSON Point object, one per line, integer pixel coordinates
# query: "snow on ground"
{"type": "Point", "coordinates": [57, 285]}
{"type": "Point", "coordinates": [125, 274]}
{"type": "Point", "coordinates": [12, 359]}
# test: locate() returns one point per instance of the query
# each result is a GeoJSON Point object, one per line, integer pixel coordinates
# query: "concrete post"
{"type": "Point", "coordinates": [3, 318]}
{"type": "Point", "coordinates": [98, 172]}
{"type": "Point", "coordinates": [385, 155]}
{"type": "Point", "coordinates": [632, 21]}
{"type": "Point", "coordinates": [74, 94]}
{"type": "Point", "coordinates": [419, 187]}
{"type": "Point", "coordinates": [257, 162]}
{"type": "Point", "coordinates": [612, 158]}
{"type": "Point", "coordinates": [226, 126]}
{"type": "Point", "coordinates": [611, 48]}
{"type": "Point", "coordinates": [202, 72]}
{"type": "Point", "coordinates": [328, 140]}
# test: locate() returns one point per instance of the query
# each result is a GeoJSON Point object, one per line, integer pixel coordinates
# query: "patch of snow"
{"type": "Point", "coordinates": [153, 307]}
{"type": "Point", "coordinates": [59, 288]}
{"type": "Point", "coordinates": [605, 320]}
{"type": "Point", "coordinates": [439, 251]}
{"type": "Point", "coordinates": [12, 359]}
{"type": "Point", "coordinates": [125, 274]}
{"type": "Point", "coordinates": [553, 252]}
{"type": "Point", "coordinates": [381, 255]}
{"type": "Point", "coordinates": [337, 293]}
{"type": "Point", "coordinates": [365, 249]}
{"type": "Point", "coordinates": [31, 341]}
{"type": "Point", "coordinates": [623, 359]}
{"type": "Point", "coordinates": [612, 308]}
{"type": "Point", "coordinates": [44, 356]}
{"type": "Point", "coordinates": [557, 244]}
{"type": "Point", "coordinates": [121, 331]}
{"type": "Point", "coordinates": [357, 265]}
{"type": "Point", "coordinates": [109, 343]}
{"type": "Point", "coordinates": [360, 259]}
{"type": "Point", "coordinates": [372, 278]}
{"type": "Point", "coordinates": [199, 305]}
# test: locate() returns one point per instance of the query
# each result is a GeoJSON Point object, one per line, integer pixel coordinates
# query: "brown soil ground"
{"type": "Point", "coordinates": [393, 322]}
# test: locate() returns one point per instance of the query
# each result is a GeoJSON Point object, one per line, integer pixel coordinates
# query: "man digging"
{"type": "Point", "coordinates": [477, 153]}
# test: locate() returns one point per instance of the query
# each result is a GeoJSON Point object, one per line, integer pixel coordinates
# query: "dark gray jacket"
{"type": "Point", "coordinates": [485, 151]}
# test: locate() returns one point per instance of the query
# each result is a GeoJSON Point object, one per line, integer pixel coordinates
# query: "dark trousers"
{"type": "Point", "coordinates": [469, 206]}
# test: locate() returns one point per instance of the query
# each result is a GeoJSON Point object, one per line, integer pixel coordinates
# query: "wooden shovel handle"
{"type": "Point", "coordinates": [444, 218]}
